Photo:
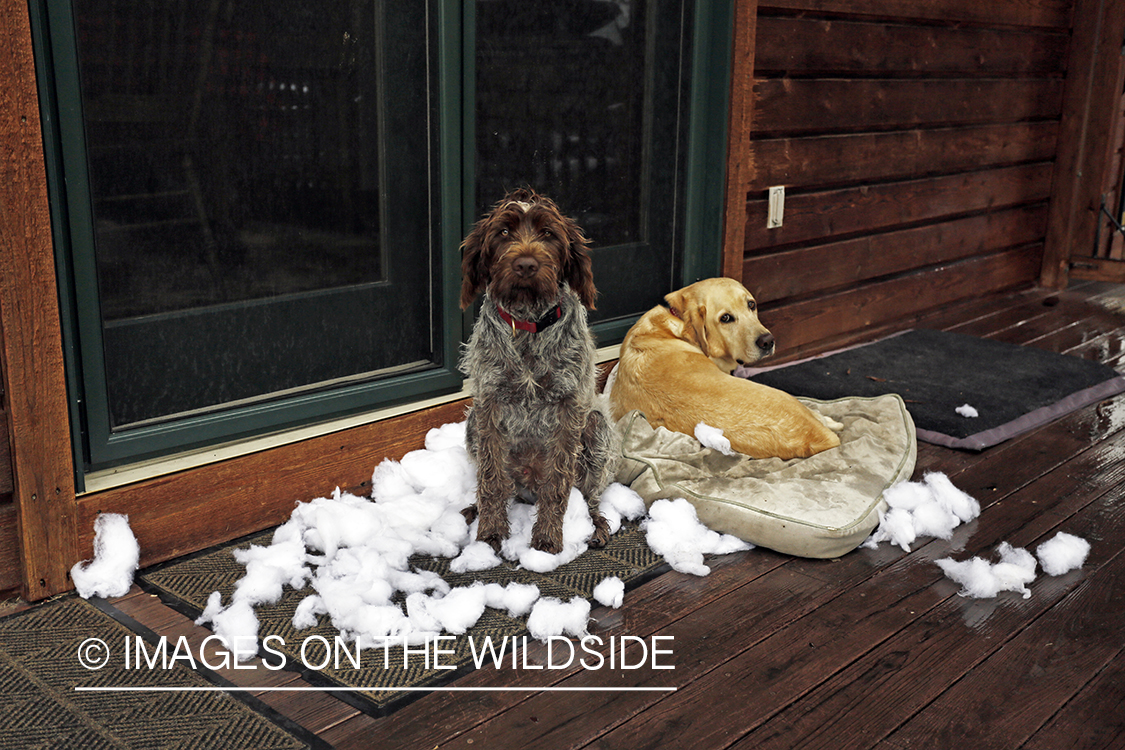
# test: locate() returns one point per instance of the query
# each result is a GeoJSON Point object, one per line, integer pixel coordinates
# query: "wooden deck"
{"type": "Point", "coordinates": [874, 650]}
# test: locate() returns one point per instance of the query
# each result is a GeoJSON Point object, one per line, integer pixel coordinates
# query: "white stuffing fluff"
{"type": "Point", "coordinates": [621, 503]}
{"type": "Point", "coordinates": [712, 437]}
{"type": "Point", "coordinates": [354, 552]}
{"type": "Point", "coordinates": [933, 507]}
{"type": "Point", "coordinates": [1062, 553]}
{"type": "Point", "coordinates": [831, 423]}
{"type": "Point", "coordinates": [674, 532]}
{"type": "Point", "coordinates": [116, 556]}
{"type": "Point", "coordinates": [967, 411]}
{"type": "Point", "coordinates": [610, 592]}
{"type": "Point", "coordinates": [956, 501]}
{"type": "Point", "coordinates": [476, 556]}
{"type": "Point", "coordinates": [516, 599]}
{"type": "Point", "coordinates": [981, 579]}
{"type": "Point", "coordinates": [554, 617]}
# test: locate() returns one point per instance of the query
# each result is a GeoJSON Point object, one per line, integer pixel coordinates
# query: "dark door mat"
{"type": "Point", "coordinates": [40, 668]}
{"type": "Point", "coordinates": [190, 581]}
{"type": "Point", "coordinates": [1013, 388]}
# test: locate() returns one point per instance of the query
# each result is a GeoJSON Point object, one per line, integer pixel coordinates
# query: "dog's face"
{"type": "Point", "coordinates": [522, 251]}
{"type": "Point", "coordinates": [721, 317]}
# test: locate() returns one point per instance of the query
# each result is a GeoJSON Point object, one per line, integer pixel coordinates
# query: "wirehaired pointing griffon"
{"type": "Point", "coordinates": [534, 428]}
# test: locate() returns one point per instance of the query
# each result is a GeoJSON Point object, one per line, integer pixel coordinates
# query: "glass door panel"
{"type": "Point", "coordinates": [261, 192]}
{"type": "Point", "coordinates": [583, 100]}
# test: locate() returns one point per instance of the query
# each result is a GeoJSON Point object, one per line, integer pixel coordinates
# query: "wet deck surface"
{"type": "Point", "coordinates": [874, 650]}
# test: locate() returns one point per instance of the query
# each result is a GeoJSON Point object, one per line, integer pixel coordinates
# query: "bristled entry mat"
{"type": "Point", "coordinates": [190, 581]}
{"type": "Point", "coordinates": [1012, 389]}
{"type": "Point", "coordinates": [41, 706]}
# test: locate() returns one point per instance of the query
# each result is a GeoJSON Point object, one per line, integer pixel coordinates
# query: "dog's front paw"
{"type": "Point", "coordinates": [492, 530]}
{"type": "Point", "coordinates": [545, 543]}
{"type": "Point", "coordinates": [601, 535]}
{"type": "Point", "coordinates": [492, 540]}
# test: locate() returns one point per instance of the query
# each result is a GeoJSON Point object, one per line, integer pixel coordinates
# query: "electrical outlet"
{"type": "Point", "coordinates": [776, 207]}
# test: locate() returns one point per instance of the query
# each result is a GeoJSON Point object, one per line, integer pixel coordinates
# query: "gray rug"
{"type": "Point", "coordinates": [41, 652]}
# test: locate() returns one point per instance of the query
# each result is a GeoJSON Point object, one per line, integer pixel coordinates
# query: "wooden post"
{"type": "Point", "coordinates": [31, 354]}
{"type": "Point", "coordinates": [1088, 118]}
{"type": "Point", "coordinates": [738, 140]}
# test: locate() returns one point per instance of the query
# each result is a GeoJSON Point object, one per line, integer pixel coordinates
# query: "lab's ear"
{"type": "Point", "coordinates": [684, 306]}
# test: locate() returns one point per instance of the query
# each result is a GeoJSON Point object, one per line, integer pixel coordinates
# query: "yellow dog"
{"type": "Point", "coordinates": [675, 364]}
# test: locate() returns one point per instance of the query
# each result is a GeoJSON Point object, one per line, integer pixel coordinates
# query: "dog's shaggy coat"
{"type": "Point", "coordinates": [534, 429]}
{"type": "Point", "coordinates": [675, 364]}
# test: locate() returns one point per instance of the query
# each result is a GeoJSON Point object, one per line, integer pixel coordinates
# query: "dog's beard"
{"type": "Point", "coordinates": [529, 298]}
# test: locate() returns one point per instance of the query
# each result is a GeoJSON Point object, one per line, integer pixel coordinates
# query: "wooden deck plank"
{"type": "Point", "coordinates": [648, 609]}
{"type": "Point", "coordinates": [794, 661]}
{"type": "Point", "coordinates": [1022, 685]}
{"type": "Point", "coordinates": [1083, 721]}
{"type": "Point", "coordinates": [868, 700]}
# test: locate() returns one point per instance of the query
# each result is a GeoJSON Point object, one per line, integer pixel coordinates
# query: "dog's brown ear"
{"type": "Point", "coordinates": [578, 271]}
{"type": "Point", "coordinates": [694, 314]}
{"type": "Point", "coordinates": [474, 264]}
{"type": "Point", "coordinates": [696, 317]}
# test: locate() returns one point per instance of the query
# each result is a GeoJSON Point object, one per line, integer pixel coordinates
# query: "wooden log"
{"type": "Point", "coordinates": [813, 162]}
{"type": "Point", "coordinates": [1052, 14]}
{"type": "Point", "coordinates": [803, 271]}
{"type": "Point", "coordinates": [800, 325]}
{"type": "Point", "coordinates": [787, 106]}
{"type": "Point", "coordinates": [818, 216]}
{"type": "Point", "coordinates": [809, 46]}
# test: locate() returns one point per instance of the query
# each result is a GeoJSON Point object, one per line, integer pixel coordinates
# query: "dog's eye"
{"type": "Point", "coordinates": [503, 232]}
{"type": "Point", "coordinates": [751, 304]}
{"type": "Point", "coordinates": [726, 318]}
{"type": "Point", "coordinates": [547, 233]}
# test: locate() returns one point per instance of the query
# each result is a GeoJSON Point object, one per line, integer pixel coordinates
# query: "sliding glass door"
{"type": "Point", "coordinates": [258, 206]}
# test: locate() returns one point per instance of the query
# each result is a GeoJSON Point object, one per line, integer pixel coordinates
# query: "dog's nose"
{"type": "Point", "coordinates": [765, 342]}
{"type": "Point", "coordinates": [525, 266]}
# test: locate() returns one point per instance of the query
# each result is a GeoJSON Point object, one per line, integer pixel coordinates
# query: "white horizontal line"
{"type": "Point", "coordinates": [377, 688]}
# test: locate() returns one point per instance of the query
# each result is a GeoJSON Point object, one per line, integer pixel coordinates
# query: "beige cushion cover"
{"type": "Point", "coordinates": [822, 507]}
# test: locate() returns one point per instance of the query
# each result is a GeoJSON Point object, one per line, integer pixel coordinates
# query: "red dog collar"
{"type": "Point", "coordinates": [534, 326]}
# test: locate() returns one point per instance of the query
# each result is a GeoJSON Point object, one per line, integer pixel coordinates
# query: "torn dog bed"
{"type": "Point", "coordinates": [820, 507]}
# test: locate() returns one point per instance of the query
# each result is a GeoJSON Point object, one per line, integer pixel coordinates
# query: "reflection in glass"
{"type": "Point", "coordinates": [239, 180]}
{"type": "Point", "coordinates": [580, 99]}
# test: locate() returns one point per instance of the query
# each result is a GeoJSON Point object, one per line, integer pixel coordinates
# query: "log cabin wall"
{"type": "Point", "coordinates": [916, 144]}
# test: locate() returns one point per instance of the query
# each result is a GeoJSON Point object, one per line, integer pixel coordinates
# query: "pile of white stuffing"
{"type": "Point", "coordinates": [934, 508]}
{"type": "Point", "coordinates": [354, 553]}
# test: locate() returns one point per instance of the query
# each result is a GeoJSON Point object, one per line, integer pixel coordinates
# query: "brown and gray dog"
{"type": "Point", "coordinates": [675, 369]}
{"type": "Point", "coordinates": [534, 428]}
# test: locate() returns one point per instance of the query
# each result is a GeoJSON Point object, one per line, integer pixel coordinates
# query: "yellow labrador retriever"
{"type": "Point", "coordinates": [675, 364]}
